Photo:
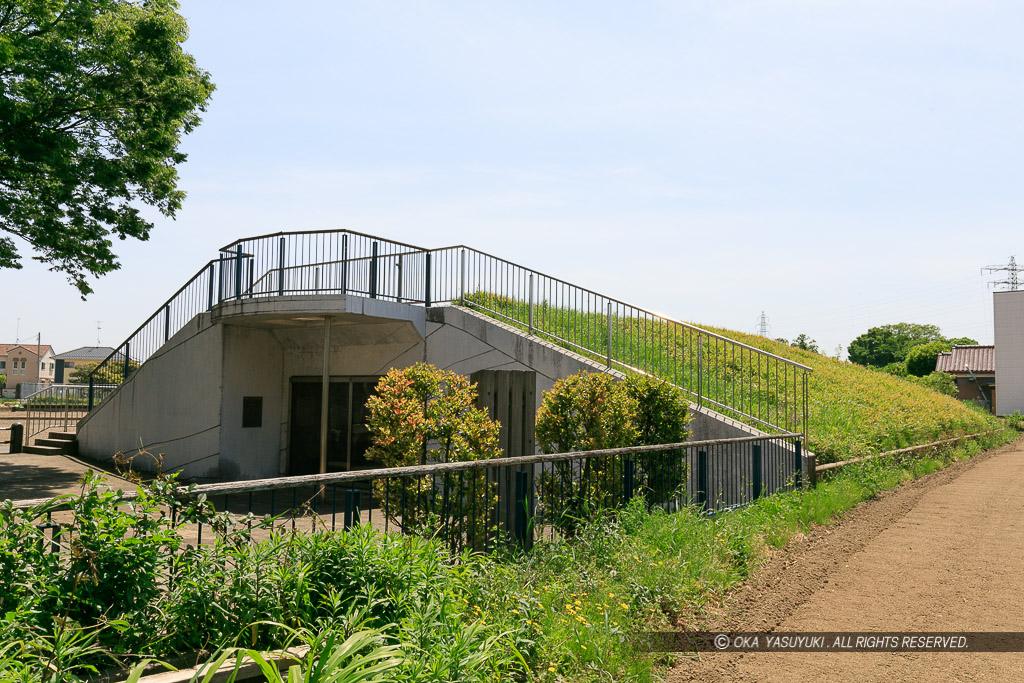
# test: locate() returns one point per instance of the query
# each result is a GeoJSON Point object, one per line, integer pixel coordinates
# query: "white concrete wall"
{"type": "Point", "coordinates": [1009, 337]}
{"type": "Point", "coordinates": [253, 362]}
{"type": "Point", "coordinates": [170, 405]}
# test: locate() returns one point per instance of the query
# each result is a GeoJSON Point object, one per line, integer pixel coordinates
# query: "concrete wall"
{"type": "Point", "coordinates": [1009, 336]}
{"type": "Point", "coordinates": [186, 400]}
{"type": "Point", "coordinates": [171, 405]}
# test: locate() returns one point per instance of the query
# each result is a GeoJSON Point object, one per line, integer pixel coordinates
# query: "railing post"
{"type": "Point", "coordinates": [280, 267]}
{"type": "Point", "coordinates": [91, 389]}
{"type": "Point", "coordinates": [251, 262]}
{"type": "Point", "coordinates": [17, 437]}
{"type": "Point", "coordinates": [220, 280]}
{"type": "Point", "coordinates": [344, 264]}
{"type": "Point", "coordinates": [700, 364]}
{"type": "Point", "coordinates": [521, 523]}
{"type": "Point", "coordinates": [609, 349]}
{"type": "Point", "coordinates": [798, 465]}
{"type": "Point", "coordinates": [352, 508]}
{"type": "Point", "coordinates": [167, 322]}
{"type": "Point", "coordinates": [127, 356]}
{"type": "Point", "coordinates": [426, 284]}
{"type": "Point", "coordinates": [462, 277]}
{"type": "Point", "coordinates": [628, 477]}
{"type": "Point", "coordinates": [702, 479]}
{"type": "Point", "coordinates": [398, 296]}
{"type": "Point", "coordinates": [209, 305]}
{"type": "Point", "coordinates": [531, 304]}
{"type": "Point", "coordinates": [758, 475]}
{"type": "Point", "coordinates": [238, 272]}
{"type": "Point", "coordinates": [373, 271]}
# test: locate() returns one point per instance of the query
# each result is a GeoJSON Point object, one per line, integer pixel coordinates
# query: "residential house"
{"type": "Point", "coordinates": [974, 371]}
{"type": "Point", "coordinates": [27, 364]}
{"type": "Point", "coordinates": [68, 361]}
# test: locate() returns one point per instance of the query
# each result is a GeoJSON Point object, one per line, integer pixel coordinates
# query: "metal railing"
{"type": "Point", "coordinates": [741, 381]}
{"type": "Point", "coordinates": [489, 504]}
{"type": "Point", "coordinates": [59, 407]}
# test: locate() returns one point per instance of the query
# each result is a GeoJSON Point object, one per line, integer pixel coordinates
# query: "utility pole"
{"type": "Point", "coordinates": [1012, 282]}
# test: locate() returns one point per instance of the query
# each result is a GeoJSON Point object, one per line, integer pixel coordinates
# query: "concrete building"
{"type": "Point", "coordinates": [1009, 352]}
{"type": "Point", "coordinates": [974, 371]}
{"type": "Point", "coordinates": [227, 378]}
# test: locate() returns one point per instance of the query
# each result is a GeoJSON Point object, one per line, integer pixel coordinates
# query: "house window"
{"type": "Point", "coordinates": [69, 363]}
{"type": "Point", "coordinates": [51, 367]}
{"type": "Point", "coordinates": [252, 411]}
{"type": "Point", "coordinates": [3, 364]}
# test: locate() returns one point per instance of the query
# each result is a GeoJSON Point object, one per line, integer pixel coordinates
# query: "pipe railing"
{"type": "Point", "coordinates": [718, 373]}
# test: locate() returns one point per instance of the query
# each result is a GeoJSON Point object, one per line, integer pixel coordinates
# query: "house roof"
{"type": "Point", "coordinates": [5, 349]}
{"type": "Point", "coordinates": [980, 359]}
{"type": "Point", "coordinates": [97, 353]}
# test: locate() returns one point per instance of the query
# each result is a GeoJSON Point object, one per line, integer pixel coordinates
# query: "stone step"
{"type": "Point", "coordinates": [64, 436]}
{"type": "Point", "coordinates": [43, 450]}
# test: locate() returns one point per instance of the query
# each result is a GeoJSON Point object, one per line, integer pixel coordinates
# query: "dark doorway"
{"type": "Point", "coordinates": [347, 435]}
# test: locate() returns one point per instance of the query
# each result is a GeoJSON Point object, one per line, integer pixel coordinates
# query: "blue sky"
{"type": "Point", "coordinates": [838, 165]}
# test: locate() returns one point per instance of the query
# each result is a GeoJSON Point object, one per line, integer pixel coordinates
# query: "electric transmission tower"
{"type": "Point", "coordinates": [763, 325]}
{"type": "Point", "coordinates": [1012, 282]}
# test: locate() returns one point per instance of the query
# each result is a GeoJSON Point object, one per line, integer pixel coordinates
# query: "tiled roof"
{"type": "Point", "coordinates": [981, 360]}
{"type": "Point", "coordinates": [31, 348]}
{"type": "Point", "coordinates": [87, 353]}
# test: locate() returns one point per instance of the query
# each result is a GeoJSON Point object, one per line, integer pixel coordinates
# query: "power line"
{"type": "Point", "coordinates": [1012, 282]}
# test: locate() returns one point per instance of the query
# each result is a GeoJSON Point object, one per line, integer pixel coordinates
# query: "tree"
{"type": "Point", "coordinates": [806, 343]}
{"type": "Point", "coordinates": [96, 96]}
{"type": "Point", "coordinates": [880, 346]}
{"type": "Point", "coordinates": [921, 359]}
{"type": "Point", "coordinates": [962, 341]}
{"type": "Point", "coordinates": [110, 373]}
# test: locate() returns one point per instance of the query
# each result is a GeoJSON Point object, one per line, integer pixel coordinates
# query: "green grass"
{"type": "Point", "coordinates": [852, 410]}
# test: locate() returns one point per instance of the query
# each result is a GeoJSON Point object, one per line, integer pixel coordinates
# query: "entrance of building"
{"type": "Point", "coordinates": [347, 435]}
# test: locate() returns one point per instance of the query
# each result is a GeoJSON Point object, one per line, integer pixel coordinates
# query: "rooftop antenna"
{"type": "Point", "coordinates": [1012, 282]}
{"type": "Point", "coordinates": [98, 332]}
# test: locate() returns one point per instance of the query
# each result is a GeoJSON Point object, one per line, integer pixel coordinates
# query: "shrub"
{"type": "Point", "coordinates": [941, 382]}
{"type": "Point", "coordinates": [922, 358]}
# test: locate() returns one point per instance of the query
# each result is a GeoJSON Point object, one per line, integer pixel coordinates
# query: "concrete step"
{"type": "Point", "coordinates": [63, 445]}
{"type": "Point", "coordinates": [63, 436]}
{"type": "Point", "coordinates": [43, 450]}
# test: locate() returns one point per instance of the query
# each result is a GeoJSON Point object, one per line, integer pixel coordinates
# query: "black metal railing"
{"type": "Point", "coordinates": [741, 381]}
{"type": "Point", "coordinates": [490, 504]}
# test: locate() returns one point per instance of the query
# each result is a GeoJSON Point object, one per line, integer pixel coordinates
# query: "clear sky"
{"type": "Point", "coordinates": [836, 164]}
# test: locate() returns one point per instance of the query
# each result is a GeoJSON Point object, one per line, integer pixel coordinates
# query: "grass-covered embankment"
{"type": "Point", "coordinates": [852, 411]}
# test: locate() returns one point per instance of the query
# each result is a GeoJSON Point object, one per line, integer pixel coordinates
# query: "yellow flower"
{"type": "Point", "coordinates": [551, 668]}
{"type": "Point", "coordinates": [623, 605]}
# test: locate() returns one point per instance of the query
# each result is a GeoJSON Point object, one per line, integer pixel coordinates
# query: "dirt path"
{"type": "Point", "coordinates": [943, 553]}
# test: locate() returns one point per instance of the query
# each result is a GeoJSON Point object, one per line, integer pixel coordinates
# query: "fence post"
{"type": "Point", "coordinates": [628, 476]}
{"type": "Point", "coordinates": [90, 391]}
{"type": "Point", "coordinates": [521, 522]}
{"type": "Point", "coordinates": [811, 470]}
{"type": "Point", "coordinates": [426, 284]}
{"type": "Point", "coordinates": [373, 271]}
{"type": "Point", "coordinates": [17, 437]}
{"type": "Point", "coordinates": [127, 357]}
{"type": "Point", "coordinates": [531, 303]}
{"type": "Point", "coordinates": [344, 264]}
{"type": "Point", "coordinates": [609, 334]}
{"type": "Point", "coordinates": [758, 472]}
{"type": "Point", "coordinates": [702, 479]}
{"type": "Point", "coordinates": [209, 305]}
{"type": "Point", "coordinates": [352, 508]}
{"type": "Point", "coordinates": [167, 322]}
{"type": "Point", "coordinates": [462, 277]}
{"type": "Point", "coordinates": [238, 272]}
{"type": "Point", "coordinates": [251, 262]}
{"type": "Point", "coordinates": [798, 465]}
{"type": "Point", "coordinates": [398, 265]}
{"type": "Point", "coordinates": [700, 378]}
{"type": "Point", "coordinates": [220, 280]}
{"type": "Point", "coordinates": [280, 267]}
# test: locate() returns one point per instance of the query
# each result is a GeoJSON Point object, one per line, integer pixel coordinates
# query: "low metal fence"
{"type": "Point", "coordinates": [60, 407]}
{"type": "Point", "coordinates": [486, 505]}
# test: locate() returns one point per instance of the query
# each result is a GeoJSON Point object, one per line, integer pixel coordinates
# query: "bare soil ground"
{"type": "Point", "coordinates": [942, 553]}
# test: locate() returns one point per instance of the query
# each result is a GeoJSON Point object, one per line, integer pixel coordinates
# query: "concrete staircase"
{"type": "Point", "coordinates": [55, 443]}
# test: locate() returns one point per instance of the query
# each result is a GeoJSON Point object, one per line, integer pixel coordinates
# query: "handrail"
{"type": "Point", "coordinates": [739, 379]}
